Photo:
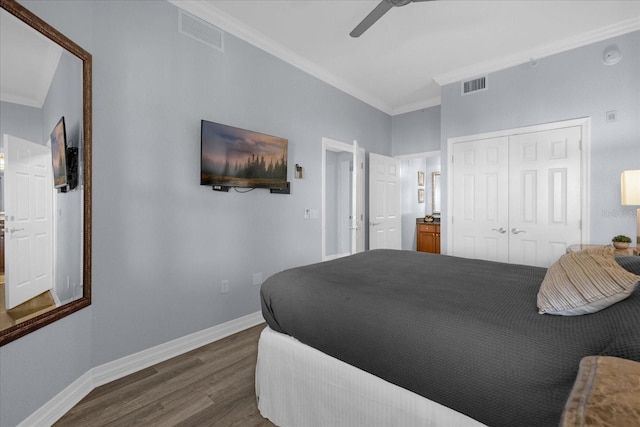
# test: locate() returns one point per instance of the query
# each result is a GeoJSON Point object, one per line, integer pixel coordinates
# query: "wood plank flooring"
{"type": "Point", "coordinates": [210, 386]}
{"type": "Point", "coordinates": [25, 311]}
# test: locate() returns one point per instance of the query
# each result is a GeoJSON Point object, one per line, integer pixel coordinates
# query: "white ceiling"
{"type": "Point", "coordinates": [399, 64]}
{"type": "Point", "coordinates": [28, 62]}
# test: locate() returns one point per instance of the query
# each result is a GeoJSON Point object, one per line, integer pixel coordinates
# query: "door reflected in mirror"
{"type": "Point", "coordinates": [45, 174]}
{"type": "Point", "coordinates": [435, 192]}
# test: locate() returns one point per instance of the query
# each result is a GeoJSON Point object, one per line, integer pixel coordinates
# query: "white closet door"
{"type": "Point", "coordinates": [544, 195]}
{"type": "Point", "coordinates": [480, 208]}
{"type": "Point", "coordinates": [517, 198]}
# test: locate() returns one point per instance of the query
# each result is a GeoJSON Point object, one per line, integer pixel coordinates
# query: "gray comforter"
{"type": "Point", "coordinates": [464, 333]}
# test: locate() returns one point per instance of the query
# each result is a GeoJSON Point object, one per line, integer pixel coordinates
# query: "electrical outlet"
{"type": "Point", "coordinates": [257, 279]}
{"type": "Point", "coordinates": [224, 286]}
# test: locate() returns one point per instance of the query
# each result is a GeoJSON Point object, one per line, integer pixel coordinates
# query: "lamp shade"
{"type": "Point", "coordinates": [630, 187]}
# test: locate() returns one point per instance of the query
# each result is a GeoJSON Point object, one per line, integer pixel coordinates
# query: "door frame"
{"type": "Point", "coordinates": [585, 157]}
{"type": "Point", "coordinates": [425, 155]}
{"type": "Point", "coordinates": [357, 200]}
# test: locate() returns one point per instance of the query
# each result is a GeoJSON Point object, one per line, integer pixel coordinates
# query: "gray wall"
{"type": "Point", "coordinates": [416, 132]}
{"type": "Point", "coordinates": [565, 86]}
{"type": "Point", "coordinates": [65, 99]}
{"type": "Point", "coordinates": [21, 121]}
{"type": "Point", "coordinates": [161, 242]}
{"type": "Point", "coordinates": [336, 225]}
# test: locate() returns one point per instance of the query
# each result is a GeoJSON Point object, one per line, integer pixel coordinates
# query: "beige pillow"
{"type": "Point", "coordinates": [584, 282]}
{"type": "Point", "coordinates": [606, 393]}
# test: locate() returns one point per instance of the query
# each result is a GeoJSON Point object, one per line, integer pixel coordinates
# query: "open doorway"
{"type": "Point", "coordinates": [342, 199]}
{"type": "Point", "coordinates": [413, 206]}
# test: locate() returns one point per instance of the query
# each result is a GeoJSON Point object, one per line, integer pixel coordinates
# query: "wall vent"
{"type": "Point", "coordinates": [474, 85]}
{"type": "Point", "coordinates": [200, 30]}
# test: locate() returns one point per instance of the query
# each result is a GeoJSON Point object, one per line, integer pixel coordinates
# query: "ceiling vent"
{"type": "Point", "coordinates": [200, 30]}
{"type": "Point", "coordinates": [474, 85]}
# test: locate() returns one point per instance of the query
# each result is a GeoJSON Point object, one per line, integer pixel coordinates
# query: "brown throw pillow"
{"type": "Point", "coordinates": [606, 393]}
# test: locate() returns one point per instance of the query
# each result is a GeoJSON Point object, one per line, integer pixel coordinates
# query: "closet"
{"type": "Point", "coordinates": [518, 197]}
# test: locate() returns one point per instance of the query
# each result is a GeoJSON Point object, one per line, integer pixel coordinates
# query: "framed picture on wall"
{"type": "Point", "coordinates": [420, 195]}
{"type": "Point", "coordinates": [421, 178]}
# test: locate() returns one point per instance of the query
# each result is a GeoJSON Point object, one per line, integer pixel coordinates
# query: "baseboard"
{"type": "Point", "coordinates": [129, 364]}
{"type": "Point", "coordinates": [54, 409]}
{"type": "Point", "coordinates": [59, 405]}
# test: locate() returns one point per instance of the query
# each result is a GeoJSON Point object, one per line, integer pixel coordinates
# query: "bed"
{"type": "Point", "coordinates": [389, 337]}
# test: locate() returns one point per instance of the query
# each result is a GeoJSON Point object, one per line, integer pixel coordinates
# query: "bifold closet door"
{"type": "Point", "coordinates": [544, 195]}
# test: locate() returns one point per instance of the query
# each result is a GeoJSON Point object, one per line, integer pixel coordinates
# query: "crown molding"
{"type": "Point", "coordinates": [211, 14]}
{"type": "Point", "coordinates": [563, 45]}
{"type": "Point", "coordinates": [415, 106]}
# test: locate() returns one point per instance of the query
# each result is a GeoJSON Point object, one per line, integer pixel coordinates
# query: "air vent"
{"type": "Point", "coordinates": [200, 30]}
{"type": "Point", "coordinates": [475, 85]}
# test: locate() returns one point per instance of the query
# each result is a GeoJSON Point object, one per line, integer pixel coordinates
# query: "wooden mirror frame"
{"type": "Point", "coordinates": [28, 326]}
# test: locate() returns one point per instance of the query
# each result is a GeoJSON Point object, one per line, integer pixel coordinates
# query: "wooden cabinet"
{"type": "Point", "coordinates": [428, 239]}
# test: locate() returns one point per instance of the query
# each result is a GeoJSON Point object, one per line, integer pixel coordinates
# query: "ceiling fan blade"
{"type": "Point", "coordinates": [382, 8]}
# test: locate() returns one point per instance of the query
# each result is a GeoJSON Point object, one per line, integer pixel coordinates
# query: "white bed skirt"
{"type": "Point", "coordinates": [299, 386]}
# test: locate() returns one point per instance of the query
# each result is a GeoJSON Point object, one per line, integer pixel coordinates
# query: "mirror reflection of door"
{"type": "Point", "coordinates": [343, 199]}
{"type": "Point", "coordinates": [28, 225]}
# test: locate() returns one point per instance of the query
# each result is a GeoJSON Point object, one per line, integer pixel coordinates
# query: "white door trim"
{"type": "Point", "coordinates": [585, 125]}
{"type": "Point", "coordinates": [358, 193]}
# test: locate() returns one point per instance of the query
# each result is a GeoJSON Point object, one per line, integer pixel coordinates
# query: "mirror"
{"type": "Point", "coordinates": [435, 192]}
{"type": "Point", "coordinates": [62, 73]}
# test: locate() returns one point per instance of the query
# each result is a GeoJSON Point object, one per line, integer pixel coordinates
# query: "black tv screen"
{"type": "Point", "coordinates": [59, 154]}
{"type": "Point", "coordinates": [233, 157]}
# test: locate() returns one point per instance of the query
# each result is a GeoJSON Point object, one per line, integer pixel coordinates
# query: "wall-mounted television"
{"type": "Point", "coordinates": [59, 154]}
{"type": "Point", "coordinates": [233, 157]}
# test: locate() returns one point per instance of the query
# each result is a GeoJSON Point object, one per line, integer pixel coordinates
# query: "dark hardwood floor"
{"type": "Point", "coordinates": [210, 386]}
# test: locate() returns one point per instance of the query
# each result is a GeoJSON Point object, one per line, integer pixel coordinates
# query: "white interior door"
{"type": "Point", "coordinates": [544, 195]}
{"type": "Point", "coordinates": [385, 203]}
{"type": "Point", "coordinates": [481, 214]}
{"type": "Point", "coordinates": [28, 220]}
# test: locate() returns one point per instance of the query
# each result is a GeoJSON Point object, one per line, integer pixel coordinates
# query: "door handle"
{"type": "Point", "coordinates": [516, 231]}
{"type": "Point", "coordinates": [373, 224]}
{"type": "Point", "coordinates": [13, 230]}
{"type": "Point", "coordinates": [500, 230]}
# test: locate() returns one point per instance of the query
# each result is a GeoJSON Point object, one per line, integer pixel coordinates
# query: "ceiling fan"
{"type": "Point", "coordinates": [382, 8]}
